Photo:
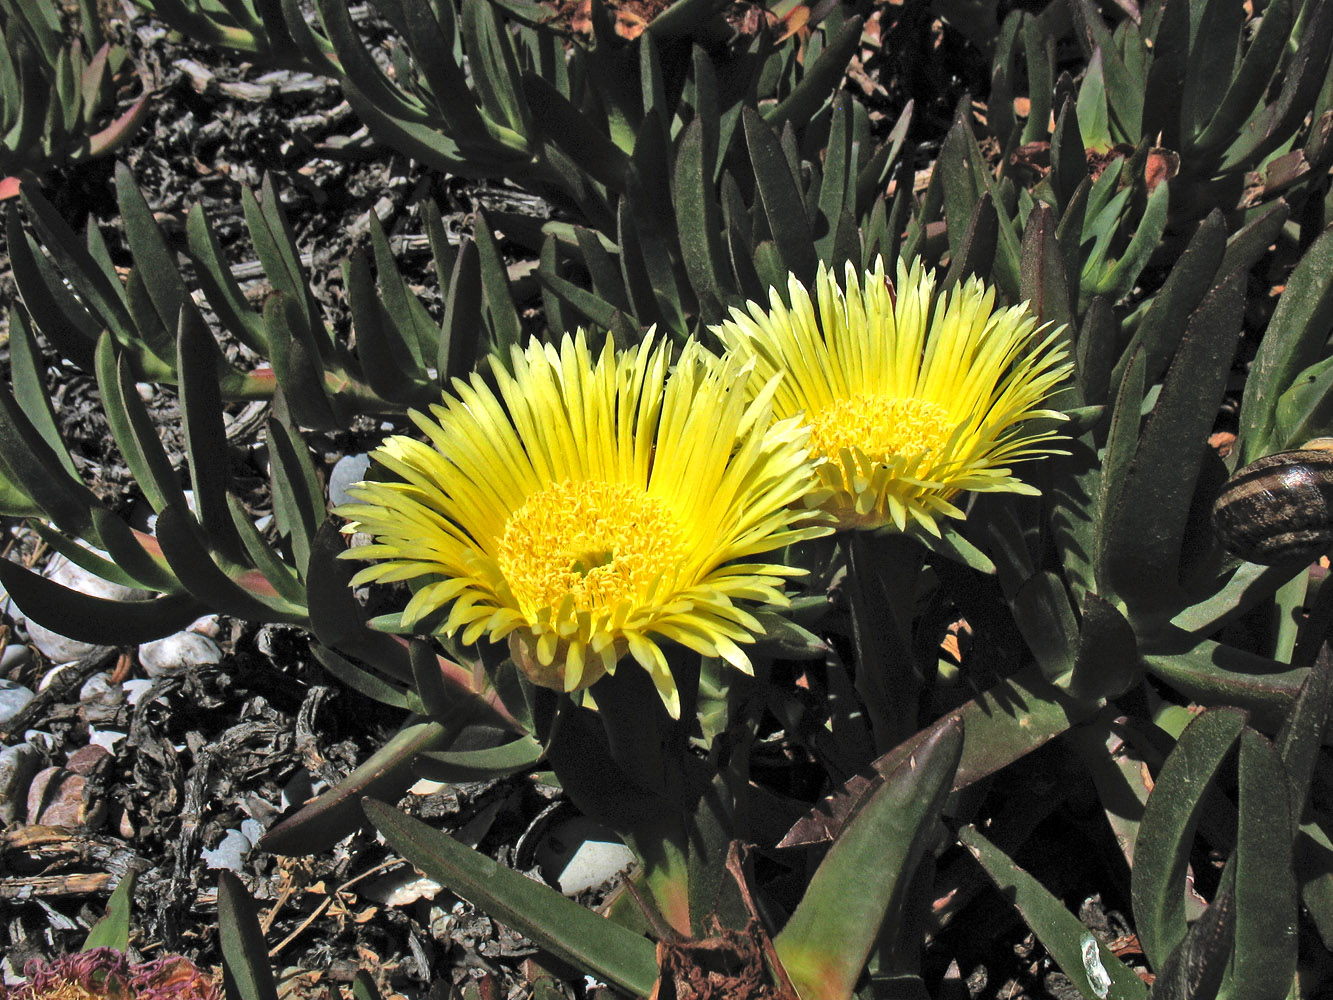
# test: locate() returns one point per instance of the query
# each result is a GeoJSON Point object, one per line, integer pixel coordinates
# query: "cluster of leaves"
{"type": "Point", "coordinates": [56, 91]}
{"type": "Point", "coordinates": [1131, 202]}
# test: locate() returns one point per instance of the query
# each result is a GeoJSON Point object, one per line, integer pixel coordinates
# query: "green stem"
{"type": "Point", "coordinates": [882, 576]}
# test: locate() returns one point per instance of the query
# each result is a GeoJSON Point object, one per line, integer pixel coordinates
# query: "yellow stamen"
{"type": "Point", "coordinates": [599, 544]}
{"type": "Point", "coordinates": [883, 427]}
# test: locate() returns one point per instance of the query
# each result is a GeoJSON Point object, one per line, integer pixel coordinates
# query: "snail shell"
{"type": "Point", "coordinates": [1279, 509]}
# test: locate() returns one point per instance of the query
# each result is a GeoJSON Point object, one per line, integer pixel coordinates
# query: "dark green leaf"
{"type": "Point", "coordinates": [297, 365]}
{"type": "Point", "coordinates": [246, 972]}
{"type": "Point", "coordinates": [480, 765]}
{"type": "Point", "coordinates": [863, 881]}
{"type": "Point", "coordinates": [839, 174]}
{"type": "Point", "coordinates": [1140, 535]}
{"type": "Point", "coordinates": [62, 319]}
{"type": "Point", "coordinates": [505, 322]}
{"type": "Point", "coordinates": [598, 311]}
{"type": "Point", "coordinates": [113, 930]}
{"type": "Point", "coordinates": [247, 596]}
{"type": "Point", "coordinates": [494, 67]}
{"type": "Point", "coordinates": [1301, 736]}
{"type": "Point", "coordinates": [1069, 158]}
{"type": "Point", "coordinates": [220, 287]}
{"type": "Point", "coordinates": [28, 374]}
{"type": "Point", "coordinates": [975, 255]}
{"type": "Point", "coordinates": [40, 474]}
{"type": "Point", "coordinates": [78, 266]}
{"type": "Point", "coordinates": [698, 214]}
{"type": "Point", "coordinates": [279, 574]}
{"type": "Point", "coordinates": [1192, 276]}
{"type": "Point", "coordinates": [1044, 284]}
{"type": "Point", "coordinates": [408, 317]}
{"type": "Point", "coordinates": [587, 144]}
{"type": "Point", "coordinates": [781, 200]}
{"type": "Point", "coordinates": [319, 825]}
{"type": "Point", "coordinates": [1213, 673]}
{"type": "Point", "coordinates": [820, 79]}
{"type": "Point", "coordinates": [96, 619]}
{"type": "Point", "coordinates": [460, 336]}
{"type": "Point", "coordinates": [136, 554]}
{"type": "Point", "coordinates": [152, 259]}
{"type": "Point", "coordinates": [1166, 835]}
{"type": "Point", "coordinates": [1266, 899]}
{"type": "Point", "coordinates": [590, 943]}
{"type": "Point", "coordinates": [197, 360]}
{"type": "Point", "coordinates": [1195, 969]}
{"type": "Point", "coordinates": [361, 681]}
{"type": "Point", "coordinates": [1117, 281]}
{"type": "Point", "coordinates": [385, 354]}
{"type": "Point", "coordinates": [275, 246]}
{"type": "Point", "coordinates": [298, 494]}
{"type": "Point", "coordinates": [1166, 76]}
{"type": "Point", "coordinates": [1090, 965]}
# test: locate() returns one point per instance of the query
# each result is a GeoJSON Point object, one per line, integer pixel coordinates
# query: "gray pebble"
{"type": "Point", "coordinates": [16, 654]}
{"type": "Point", "coordinates": [99, 687]}
{"type": "Point", "coordinates": [176, 652]}
{"type": "Point", "coordinates": [13, 696]}
{"type": "Point", "coordinates": [580, 854]}
{"type": "Point", "coordinates": [18, 764]}
{"type": "Point", "coordinates": [230, 854]}
{"type": "Point", "coordinates": [135, 688]}
{"type": "Point", "coordinates": [347, 471]}
{"type": "Point", "coordinates": [101, 699]}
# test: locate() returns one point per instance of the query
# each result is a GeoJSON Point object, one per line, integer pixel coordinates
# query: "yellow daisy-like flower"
{"type": "Point", "coordinates": [606, 503]}
{"type": "Point", "coordinates": [911, 398]}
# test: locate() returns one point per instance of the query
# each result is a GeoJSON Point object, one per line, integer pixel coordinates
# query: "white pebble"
{"type": "Point", "coordinates": [177, 652]}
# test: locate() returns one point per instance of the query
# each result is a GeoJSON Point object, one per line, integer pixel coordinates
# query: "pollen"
{"type": "Point", "coordinates": [882, 427]}
{"type": "Point", "coordinates": [598, 544]}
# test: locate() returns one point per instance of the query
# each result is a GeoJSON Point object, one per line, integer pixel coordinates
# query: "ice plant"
{"type": "Point", "coordinates": [911, 397]}
{"type": "Point", "coordinates": [106, 974]}
{"type": "Point", "coordinates": [607, 503]}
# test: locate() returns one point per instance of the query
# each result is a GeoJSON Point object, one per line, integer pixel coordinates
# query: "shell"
{"type": "Point", "coordinates": [1279, 509]}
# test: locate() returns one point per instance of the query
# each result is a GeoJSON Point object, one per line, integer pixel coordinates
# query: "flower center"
{"type": "Point", "coordinates": [880, 426]}
{"type": "Point", "coordinates": [599, 543]}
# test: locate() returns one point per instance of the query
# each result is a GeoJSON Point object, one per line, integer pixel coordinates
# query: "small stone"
{"type": "Point", "coordinates": [580, 854]}
{"type": "Point", "coordinates": [16, 654]}
{"type": "Point", "coordinates": [425, 786]}
{"type": "Point", "coordinates": [100, 699]}
{"type": "Point", "coordinates": [88, 760]}
{"type": "Point", "coordinates": [104, 738]}
{"type": "Point", "coordinates": [208, 626]}
{"type": "Point", "coordinates": [177, 652]}
{"type": "Point", "coordinates": [230, 854]}
{"type": "Point", "coordinates": [61, 649]}
{"type": "Point", "coordinates": [57, 797]}
{"type": "Point", "coordinates": [13, 698]}
{"type": "Point", "coordinates": [18, 765]}
{"type": "Point", "coordinates": [99, 688]}
{"type": "Point", "coordinates": [50, 676]}
{"type": "Point", "coordinates": [347, 471]}
{"type": "Point", "coordinates": [124, 825]}
{"type": "Point", "coordinates": [298, 790]}
{"type": "Point", "coordinates": [135, 688]}
{"type": "Point", "coordinates": [400, 888]}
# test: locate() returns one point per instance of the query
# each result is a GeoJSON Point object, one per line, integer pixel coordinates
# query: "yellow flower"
{"type": "Point", "coordinates": [911, 398]}
{"type": "Point", "coordinates": [602, 506]}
